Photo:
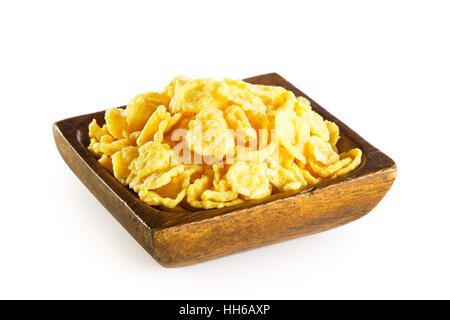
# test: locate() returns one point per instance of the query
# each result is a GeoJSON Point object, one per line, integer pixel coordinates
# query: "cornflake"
{"type": "Point", "coordinates": [205, 144]}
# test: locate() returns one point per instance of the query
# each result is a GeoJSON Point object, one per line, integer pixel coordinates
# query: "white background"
{"type": "Point", "coordinates": [383, 68]}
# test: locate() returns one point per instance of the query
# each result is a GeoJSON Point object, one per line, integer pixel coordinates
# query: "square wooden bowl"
{"type": "Point", "coordinates": [183, 238]}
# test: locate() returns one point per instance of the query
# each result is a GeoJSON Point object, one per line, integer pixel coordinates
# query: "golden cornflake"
{"type": "Point", "coordinates": [204, 144]}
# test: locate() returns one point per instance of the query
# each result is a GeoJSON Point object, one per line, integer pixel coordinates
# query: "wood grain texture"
{"type": "Point", "coordinates": [179, 238]}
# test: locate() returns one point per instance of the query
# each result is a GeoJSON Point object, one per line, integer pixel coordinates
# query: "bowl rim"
{"type": "Point", "coordinates": [72, 130]}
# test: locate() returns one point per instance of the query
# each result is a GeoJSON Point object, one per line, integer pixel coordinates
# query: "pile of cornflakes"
{"type": "Point", "coordinates": [203, 144]}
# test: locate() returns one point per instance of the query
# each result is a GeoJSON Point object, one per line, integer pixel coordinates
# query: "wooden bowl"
{"type": "Point", "coordinates": [180, 238]}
